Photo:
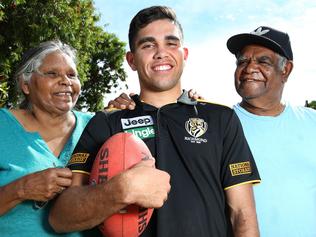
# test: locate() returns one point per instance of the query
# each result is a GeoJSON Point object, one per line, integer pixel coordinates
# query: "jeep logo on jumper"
{"type": "Point", "coordinates": [140, 121]}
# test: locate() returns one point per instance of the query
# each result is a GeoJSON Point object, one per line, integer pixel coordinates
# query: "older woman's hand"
{"type": "Point", "coordinates": [45, 185]}
{"type": "Point", "coordinates": [40, 186]}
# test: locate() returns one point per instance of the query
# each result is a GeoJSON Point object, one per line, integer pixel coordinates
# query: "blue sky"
{"type": "Point", "coordinates": [207, 25]}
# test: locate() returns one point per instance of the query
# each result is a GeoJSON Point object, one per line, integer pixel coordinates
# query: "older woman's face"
{"type": "Point", "coordinates": [54, 87]}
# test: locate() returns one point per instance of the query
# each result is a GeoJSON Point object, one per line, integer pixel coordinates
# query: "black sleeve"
{"type": "Point", "coordinates": [94, 135]}
{"type": "Point", "coordinates": [238, 163]}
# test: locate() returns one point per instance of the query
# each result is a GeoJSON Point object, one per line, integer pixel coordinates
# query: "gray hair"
{"type": "Point", "coordinates": [33, 59]}
{"type": "Point", "coordinates": [282, 62]}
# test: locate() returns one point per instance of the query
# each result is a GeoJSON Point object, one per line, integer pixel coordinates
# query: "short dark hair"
{"type": "Point", "coordinates": [147, 16]}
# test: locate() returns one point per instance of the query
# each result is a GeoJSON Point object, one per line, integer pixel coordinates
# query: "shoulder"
{"type": "Point", "coordinates": [106, 117]}
{"type": "Point", "coordinates": [303, 112]}
{"type": "Point", "coordinates": [114, 114]}
{"type": "Point", "coordinates": [14, 116]}
{"type": "Point", "coordinates": [213, 104]}
{"type": "Point", "coordinates": [82, 119]}
{"type": "Point", "coordinates": [217, 113]}
{"type": "Point", "coordinates": [302, 109]}
{"type": "Point", "coordinates": [112, 110]}
{"type": "Point", "coordinates": [83, 115]}
{"type": "Point", "coordinates": [214, 107]}
{"type": "Point", "coordinates": [4, 116]}
{"type": "Point", "coordinates": [3, 112]}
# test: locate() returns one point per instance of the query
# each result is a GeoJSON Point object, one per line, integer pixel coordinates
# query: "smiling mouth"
{"type": "Point", "coordinates": [162, 68]}
{"type": "Point", "coordinates": [63, 94]}
{"type": "Point", "coordinates": [250, 80]}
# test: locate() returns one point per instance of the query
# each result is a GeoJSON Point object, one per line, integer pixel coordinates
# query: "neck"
{"type": "Point", "coordinates": [53, 128]}
{"type": "Point", "coordinates": [49, 119]}
{"type": "Point", "coordinates": [263, 109]}
{"type": "Point", "coordinates": [159, 99]}
{"type": "Point", "coordinates": [35, 120]}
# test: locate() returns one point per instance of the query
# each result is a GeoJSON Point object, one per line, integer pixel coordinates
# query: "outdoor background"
{"type": "Point", "coordinates": [207, 25]}
{"type": "Point", "coordinates": [98, 31]}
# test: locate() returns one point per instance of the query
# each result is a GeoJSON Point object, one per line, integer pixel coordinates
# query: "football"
{"type": "Point", "coordinates": [118, 153]}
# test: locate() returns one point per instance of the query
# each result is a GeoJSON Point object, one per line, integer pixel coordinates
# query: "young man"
{"type": "Point", "coordinates": [200, 145]}
{"type": "Point", "coordinates": [280, 136]}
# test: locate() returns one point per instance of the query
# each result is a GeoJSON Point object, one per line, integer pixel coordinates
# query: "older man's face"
{"type": "Point", "coordinates": [258, 77]}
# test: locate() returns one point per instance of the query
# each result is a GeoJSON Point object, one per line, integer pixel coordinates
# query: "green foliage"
{"type": "Point", "coordinates": [105, 72]}
{"type": "Point", "coordinates": [24, 24]}
{"type": "Point", "coordinates": [3, 92]}
{"type": "Point", "coordinates": [311, 104]}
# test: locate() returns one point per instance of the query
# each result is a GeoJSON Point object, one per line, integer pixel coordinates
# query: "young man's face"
{"type": "Point", "coordinates": [159, 56]}
{"type": "Point", "coordinates": [258, 76]}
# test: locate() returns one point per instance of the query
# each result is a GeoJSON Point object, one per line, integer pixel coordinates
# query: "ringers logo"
{"type": "Point", "coordinates": [140, 121]}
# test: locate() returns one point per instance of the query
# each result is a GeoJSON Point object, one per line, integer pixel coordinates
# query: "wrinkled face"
{"type": "Point", "coordinates": [54, 87]}
{"type": "Point", "coordinates": [159, 56]}
{"type": "Point", "coordinates": [257, 75]}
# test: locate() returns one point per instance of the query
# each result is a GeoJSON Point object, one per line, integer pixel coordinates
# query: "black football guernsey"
{"type": "Point", "coordinates": [200, 144]}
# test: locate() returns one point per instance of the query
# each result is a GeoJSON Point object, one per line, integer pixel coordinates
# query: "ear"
{"type": "Point", "coordinates": [24, 85]}
{"type": "Point", "coordinates": [130, 60]}
{"type": "Point", "coordinates": [287, 70]}
{"type": "Point", "coordinates": [186, 53]}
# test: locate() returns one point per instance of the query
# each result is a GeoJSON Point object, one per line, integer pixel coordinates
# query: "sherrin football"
{"type": "Point", "coordinates": [118, 153]}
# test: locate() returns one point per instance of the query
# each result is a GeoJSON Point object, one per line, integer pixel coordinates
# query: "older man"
{"type": "Point", "coordinates": [280, 136]}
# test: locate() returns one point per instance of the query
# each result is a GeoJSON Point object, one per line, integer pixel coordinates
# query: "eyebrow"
{"type": "Point", "coordinates": [172, 37]}
{"type": "Point", "coordinates": [243, 57]}
{"type": "Point", "coordinates": [152, 39]}
{"type": "Point", "coordinates": [146, 39]}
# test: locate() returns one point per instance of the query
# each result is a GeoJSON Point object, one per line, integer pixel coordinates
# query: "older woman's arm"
{"type": "Point", "coordinates": [10, 196]}
{"type": "Point", "coordinates": [39, 186]}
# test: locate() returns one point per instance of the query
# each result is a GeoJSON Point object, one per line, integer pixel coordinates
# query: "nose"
{"type": "Point", "coordinates": [64, 80]}
{"type": "Point", "coordinates": [160, 53]}
{"type": "Point", "coordinates": [251, 66]}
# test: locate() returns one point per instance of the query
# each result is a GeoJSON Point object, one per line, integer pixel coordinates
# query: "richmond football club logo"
{"type": "Point", "coordinates": [196, 127]}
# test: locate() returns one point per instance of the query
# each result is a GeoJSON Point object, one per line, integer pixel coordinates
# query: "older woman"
{"type": "Point", "coordinates": [38, 138]}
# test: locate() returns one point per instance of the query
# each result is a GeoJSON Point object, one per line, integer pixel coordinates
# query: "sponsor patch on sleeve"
{"type": "Point", "coordinates": [78, 158]}
{"type": "Point", "coordinates": [240, 168]}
